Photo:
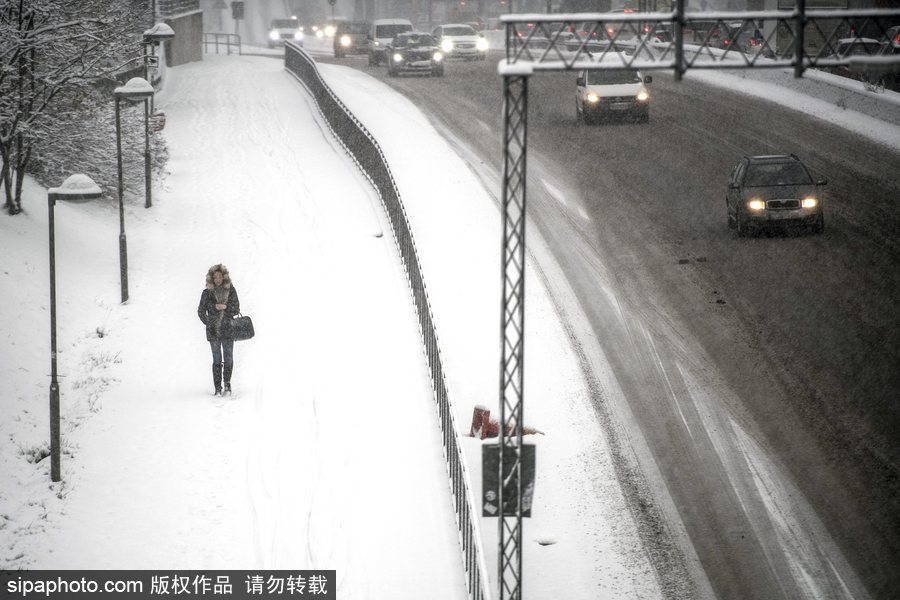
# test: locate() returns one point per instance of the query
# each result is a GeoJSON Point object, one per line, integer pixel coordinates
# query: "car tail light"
{"type": "Point", "coordinates": [754, 42]}
{"type": "Point", "coordinates": [897, 39]}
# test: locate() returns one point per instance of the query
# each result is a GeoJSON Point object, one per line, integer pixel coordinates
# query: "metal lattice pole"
{"type": "Point", "coordinates": [515, 97]}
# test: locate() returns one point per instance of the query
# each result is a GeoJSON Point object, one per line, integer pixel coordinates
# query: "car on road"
{"type": "Point", "coordinates": [284, 30]}
{"type": "Point", "coordinates": [414, 52]}
{"type": "Point", "coordinates": [660, 32]}
{"type": "Point", "coordinates": [773, 189]}
{"type": "Point", "coordinates": [460, 41]}
{"type": "Point", "coordinates": [351, 37]}
{"type": "Point", "coordinates": [885, 75]}
{"type": "Point", "coordinates": [850, 48]}
{"type": "Point", "coordinates": [381, 33]}
{"type": "Point", "coordinates": [612, 92]}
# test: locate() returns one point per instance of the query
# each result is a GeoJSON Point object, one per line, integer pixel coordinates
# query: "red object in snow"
{"type": "Point", "coordinates": [481, 418]}
{"type": "Point", "coordinates": [158, 121]}
{"type": "Point", "coordinates": [485, 427]}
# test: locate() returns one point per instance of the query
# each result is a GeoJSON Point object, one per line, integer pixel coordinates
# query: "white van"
{"type": "Point", "coordinates": [612, 92]}
{"type": "Point", "coordinates": [381, 34]}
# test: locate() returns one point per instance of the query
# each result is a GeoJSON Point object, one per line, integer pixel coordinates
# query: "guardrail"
{"type": "Point", "coordinates": [367, 154]}
{"type": "Point", "coordinates": [226, 40]}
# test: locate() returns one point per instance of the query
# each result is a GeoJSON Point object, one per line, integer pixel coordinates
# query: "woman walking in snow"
{"type": "Point", "coordinates": [218, 305]}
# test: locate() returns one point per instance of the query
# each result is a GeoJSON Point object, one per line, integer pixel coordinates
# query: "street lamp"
{"type": "Point", "coordinates": [152, 37]}
{"type": "Point", "coordinates": [135, 90]}
{"type": "Point", "coordinates": [77, 188]}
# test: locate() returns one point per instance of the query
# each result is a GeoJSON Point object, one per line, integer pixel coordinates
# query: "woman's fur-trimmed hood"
{"type": "Point", "coordinates": [226, 278]}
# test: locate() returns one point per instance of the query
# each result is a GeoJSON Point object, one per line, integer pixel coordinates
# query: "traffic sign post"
{"type": "Point", "coordinates": [237, 13]}
{"type": "Point", "coordinates": [490, 481]}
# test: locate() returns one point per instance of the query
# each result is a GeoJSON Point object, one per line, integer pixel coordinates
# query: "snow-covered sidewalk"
{"type": "Point", "coordinates": [327, 456]}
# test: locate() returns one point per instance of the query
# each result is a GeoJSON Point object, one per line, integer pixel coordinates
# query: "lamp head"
{"type": "Point", "coordinates": [135, 90]}
{"type": "Point", "coordinates": [77, 188]}
{"type": "Point", "coordinates": [159, 33]}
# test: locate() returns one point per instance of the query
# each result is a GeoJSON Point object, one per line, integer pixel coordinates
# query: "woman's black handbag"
{"type": "Point", "coordinates": [241, 328]}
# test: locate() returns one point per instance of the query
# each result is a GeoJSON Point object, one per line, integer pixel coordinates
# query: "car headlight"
{"type": "Point", "coordinates": [482, 44]}
{"type": "Point", "coordinates": [643, 96]}
{"type": "Point", "coordinates": [329, 30]}
{"type": "Point", "coordinates": [438, 57]}
{"type": "Point", "coordinates": [446, 45]}
{"type": "Point", "coordinates": [345, 40]}
{"type": "Point", "coordinates": [592, 98]}
{"type": "Point", "coordinates": [398, 57]}
{"type": "Point", "coordinates": [756, 204]}
{"type": "Point", "coordinates": [298, 35]}
{"type": "Point", "coordinates": [273, 35]}
{"type": "Point", "coordinates": [809, 202]}
{"type": "Point", "coordinates": [377, 43]}
{"type": "Point", "coordinates": [320, 33]}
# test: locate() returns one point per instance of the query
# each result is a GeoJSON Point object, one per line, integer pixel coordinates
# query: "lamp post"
{"type": "Point", "coordinates": [135, 90]}
{"type": "Point", "coordinates": [77, 188]}
{"type": "Point", "coordinates": [152, 37]}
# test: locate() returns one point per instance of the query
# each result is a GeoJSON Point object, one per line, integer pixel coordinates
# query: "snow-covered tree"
{"type": "Point", "coordinates": [58, 64]}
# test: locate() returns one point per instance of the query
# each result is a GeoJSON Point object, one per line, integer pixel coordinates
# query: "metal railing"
{"type": "Point", "coordinates": [226, 40]}
{"type": "Point", "coordinates": [367, 154]}
{"type": "Point", "coordinates": [776, 39]}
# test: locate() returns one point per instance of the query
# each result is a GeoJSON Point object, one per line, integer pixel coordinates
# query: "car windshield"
{"type": "Point", "coordinates": [787, 173]}
{"type": "Point", "coordinates": [284, 24]}
{"type": "Point", "coordinates": [859, 49]}
{"type": "Point", "coordinates": [413, 41]}
{"type": "Point", "coordinates": [353, 28]}
{"type": "Point", "coordinates": [389, 31]}
{"type": "Point", "coordinates": [459, 30]}
{"type": "Point", "coordinates": [612, 77]}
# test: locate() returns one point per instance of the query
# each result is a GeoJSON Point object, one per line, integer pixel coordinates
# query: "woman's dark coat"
{"type": "Point", "coordinates": [207, 308]}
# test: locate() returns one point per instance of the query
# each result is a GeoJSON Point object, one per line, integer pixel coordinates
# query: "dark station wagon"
{"type": "Point", "coordinates": [414, 52]}
{"type": "Point", "coordinates": [776, 189]}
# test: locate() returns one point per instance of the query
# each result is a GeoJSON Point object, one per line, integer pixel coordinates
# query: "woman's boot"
{"type": "Point", "coordinates": [228, 368]}
{"type": "Point", "coordinates": [217, 378]}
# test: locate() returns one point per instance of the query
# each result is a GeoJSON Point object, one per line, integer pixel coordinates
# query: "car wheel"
{"type": "Point", "coordinates": [819, 225]}
{"type": "Point", "coordinates": [579, 115]}
{"type": "Point", "coordinates": [392, 72]}
{"type": "Point", "coordinates": [372, 61]}
{"type": "Point", "coordinates": [731, 223]}
{"type": "Point", "coordinates": [437, 73]}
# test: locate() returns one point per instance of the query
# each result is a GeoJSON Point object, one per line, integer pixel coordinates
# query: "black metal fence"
{"type": "Point", "coordinates": [367, 154]}
{"type": "Point", "coordinates": [229, 42]}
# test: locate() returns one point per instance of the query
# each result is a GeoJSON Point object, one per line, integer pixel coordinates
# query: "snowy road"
{"type": "Point", "coordinates": [675, 309]}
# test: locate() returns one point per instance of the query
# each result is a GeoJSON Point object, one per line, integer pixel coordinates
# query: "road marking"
{"type": "Point", "coordinates": [662, 369]}
{"type": "Point", "coordinates": [560, 197]}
